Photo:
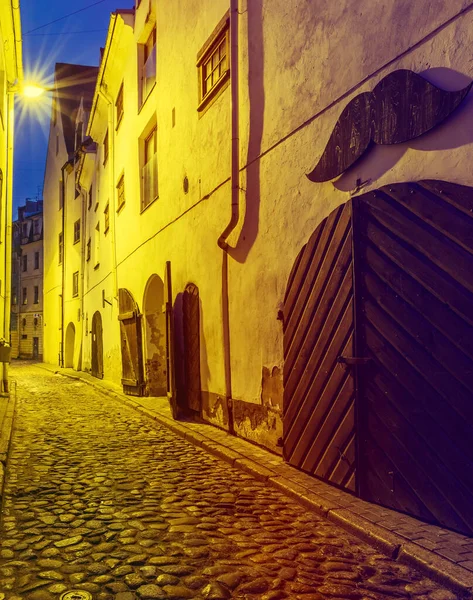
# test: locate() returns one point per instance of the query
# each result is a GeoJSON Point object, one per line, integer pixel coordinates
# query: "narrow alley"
{"type": "Point", "coordinates": [101, 500]}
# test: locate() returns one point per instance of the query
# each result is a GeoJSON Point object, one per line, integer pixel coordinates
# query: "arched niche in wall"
{"type": "Point", "coordinates": [154, 339]}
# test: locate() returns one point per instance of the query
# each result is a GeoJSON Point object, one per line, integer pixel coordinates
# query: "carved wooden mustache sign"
{"type": "Point", "coordinates": [401, 107]}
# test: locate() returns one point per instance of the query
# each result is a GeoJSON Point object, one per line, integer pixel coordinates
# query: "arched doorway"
{"type": "Point", "coordinates": [382, 295]}
{"type": "Point", "coordinates": [154, 329]}
{"type": "Point", "coordinates": [191, 334]}
{"type": "Point", "coordinates": [70, 342]}
{"type": "Point", "coordinates": [97, 345]}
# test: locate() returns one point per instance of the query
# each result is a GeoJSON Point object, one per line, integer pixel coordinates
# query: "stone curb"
{"type": "Point", "coordinates": [393, 545]}
{"type": "Point", "coordinates": [6, 428]}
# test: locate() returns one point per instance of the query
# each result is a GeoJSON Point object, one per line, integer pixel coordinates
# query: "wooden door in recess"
{"type": "Point", "coordinates": [131, 344]}
{"type": "Point", "coordinates": [97, 346]}
{"type": "Point", "coordinates": [191, 330]}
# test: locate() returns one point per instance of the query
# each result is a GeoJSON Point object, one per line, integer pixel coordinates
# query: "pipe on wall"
{"type": "Point", "coordinates": [235, 206]}
{"type": "Point", "coordinates": [64, 174]}
{"type": "Point", "coordinates": [111, 201]}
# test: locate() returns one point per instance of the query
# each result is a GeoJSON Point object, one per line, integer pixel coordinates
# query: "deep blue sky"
{"type": "Point", "coordinates": [41, 50]}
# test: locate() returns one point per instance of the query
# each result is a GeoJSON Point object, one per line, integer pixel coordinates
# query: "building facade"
{"type": "Point", "coordinates": [11, 76]}
{"type": "Point", "coordinates": [27, 282]}
{"type": "Point", "coordinates": [245, 169]}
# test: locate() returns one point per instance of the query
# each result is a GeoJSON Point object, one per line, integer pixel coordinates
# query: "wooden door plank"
{"type": "Point", "coordinates": [453, 393]}
{"type": "Point", "coordinates": [448, 502]}
{"type": "Point", "coordinates": [423, 336]}
{"type": "Point", "coordinates": [323, 264]}
{"type": "Point", "coordinates": [453, 260]}
{"type": "Point", "coordinates": [434, 213]}
{"type": "Point", "coordinates": [425, 273]}
{"type": "Point", "coordinates": [322, 323]}
{"type": "Point", "coordinates": [458, 331]}
{"type": "Point", "coordinates": [329, 347]}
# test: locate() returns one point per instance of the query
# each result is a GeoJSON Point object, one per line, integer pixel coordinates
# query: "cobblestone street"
{"type": "Point", "coordinates": [100, 499]}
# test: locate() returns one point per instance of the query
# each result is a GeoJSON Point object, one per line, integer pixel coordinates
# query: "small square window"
{"type": "Point", "coordinates": [24, 262]}
{"type": "Point", "coordinates": [119, 106]}
{"type": "Point", "coordinates": [121, 192]}
{"type": "Point", "coordinates": [105, 148]}
{"type": "Point", "coordinates": [213, 63]}
{"type": "Point", "coordinates": [75, 283]}
{"type": "Point", "coordinates": [106, 218]}
{"type": "Point", "coordinates": [77, 231]}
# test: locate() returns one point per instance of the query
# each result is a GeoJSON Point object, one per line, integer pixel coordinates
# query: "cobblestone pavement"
{"type": "Point", "coordinates": [99, 499]}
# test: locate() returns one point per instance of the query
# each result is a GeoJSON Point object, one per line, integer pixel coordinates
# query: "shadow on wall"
{"type": "Point", "coordinates": [450, 134]}
{"type": "Point", "coordinates": [256, 97]}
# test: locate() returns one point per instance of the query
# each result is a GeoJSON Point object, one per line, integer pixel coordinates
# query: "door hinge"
{"type": "Point", "coordinates": [353, 360]}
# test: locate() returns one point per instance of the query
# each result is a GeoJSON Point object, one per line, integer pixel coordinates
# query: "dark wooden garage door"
{"type": "Point", "coordinates": [319, 422]}
{"type": "Point", "coordinates": [405, 295]}
{"type": "Point", "coordinates": [414, 270]}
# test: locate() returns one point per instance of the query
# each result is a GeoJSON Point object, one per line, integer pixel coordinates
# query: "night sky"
{"type": "Point", "coordinates": [42, 48]}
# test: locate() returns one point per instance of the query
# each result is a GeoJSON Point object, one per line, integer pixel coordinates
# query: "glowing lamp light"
{"type": "Point", "coordinates": [33, 91]}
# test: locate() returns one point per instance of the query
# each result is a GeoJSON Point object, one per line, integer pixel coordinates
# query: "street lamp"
{"type": "Point", "coordinates": [32, 90]}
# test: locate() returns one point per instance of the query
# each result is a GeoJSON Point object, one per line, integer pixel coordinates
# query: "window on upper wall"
{"type": "Point", "coordinates": [36, 227]}
{"type": "Point", "coordinates": [105, 148]}
{"type": "Point", "coordinates": [121, 193]}
{"type": "Point", "coordinates": [90, 197]}
{"type": "Point", "coordinates": [77, 231]}
{"type": "Point", "coordinates": [75, 283]}
{"type": "Point", "coordinates": [148, 66]}
{"type": "Point", "coordinates": [89, 242]}
{"type": "Point", "coordinates": [213, 64]}
{"type": "Point", "coordinates": [24, 230]}
{"type": "Point", "coordinates": [119, 106]}
{"type": "Point", "coordinates": [14, 296]}
{"type": "Point", "coordinates": [36, 260]}
{"type": "Point", "coordinates": [36, 295]}
{"type": "Point", "coordinates": [24, 296]}
{"type": "Point", "coordinates": [24, 262]}
{"type": "Point", "coordinates": [106, 219]}
{"type": "Point", "coordinates": [60, 247]}
{"type": "Point", "coordinates": [149, 173]}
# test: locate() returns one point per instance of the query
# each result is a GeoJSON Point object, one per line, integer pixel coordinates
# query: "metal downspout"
{"type": "Point", "coordinates": [235, 214]}
{"type": "Point", "coordinates": [111, 200]}
{"type": "Point", "coordinates": [63, 264]}
{"type": "Point", "coordinates": [8, 230]}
